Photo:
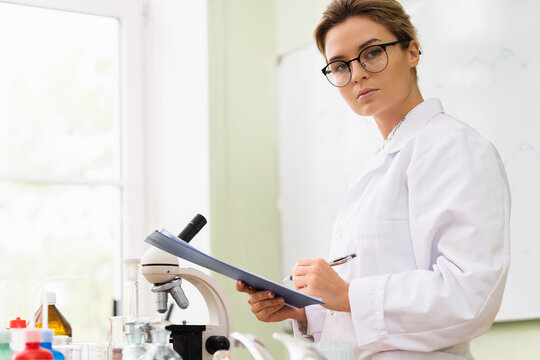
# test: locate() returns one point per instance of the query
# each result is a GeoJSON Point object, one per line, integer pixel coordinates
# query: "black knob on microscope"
{"type": "Point", "coordinates": [215, 343]}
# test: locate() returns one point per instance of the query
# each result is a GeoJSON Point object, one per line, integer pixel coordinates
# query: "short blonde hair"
{"type": "Point", "coordinates": [388, 13]}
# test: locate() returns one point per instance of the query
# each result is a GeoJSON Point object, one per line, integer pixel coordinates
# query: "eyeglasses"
{"type": "Point", "coordinates": [373, 59]}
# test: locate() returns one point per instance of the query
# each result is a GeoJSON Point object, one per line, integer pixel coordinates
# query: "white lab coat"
{"type": "Point", "coordinates": [429, 222]}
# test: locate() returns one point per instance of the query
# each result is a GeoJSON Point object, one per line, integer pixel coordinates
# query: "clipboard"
{"type": "Point", "coordinates": [172, 244]}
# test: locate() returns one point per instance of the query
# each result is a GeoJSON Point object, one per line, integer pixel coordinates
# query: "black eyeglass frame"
{"type": "Point", "coordinates": [348, 63]}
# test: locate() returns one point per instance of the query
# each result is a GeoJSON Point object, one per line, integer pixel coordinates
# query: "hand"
{"type": "Point", "coordinates": [269, 308]}
{"type": "Point", "coordinates": [317, 278]}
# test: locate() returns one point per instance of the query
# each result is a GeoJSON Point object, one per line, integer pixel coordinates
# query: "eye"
{"type": "Point", "coordinates": [374, 52]}
{"type": "Point", "coordinates": [339, 67]}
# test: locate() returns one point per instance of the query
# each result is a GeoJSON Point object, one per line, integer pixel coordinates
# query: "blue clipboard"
{"type": "Point", "coordinates": [172, 244]}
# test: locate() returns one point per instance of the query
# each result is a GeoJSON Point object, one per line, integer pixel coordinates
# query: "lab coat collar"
{"type": "Point", "coordinates": [413, 122]}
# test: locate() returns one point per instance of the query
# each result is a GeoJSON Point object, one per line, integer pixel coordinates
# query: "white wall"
{"type": "Point", "coordinates": [176, 101]}
{"type": "Point", "coordinates": [177, 113]}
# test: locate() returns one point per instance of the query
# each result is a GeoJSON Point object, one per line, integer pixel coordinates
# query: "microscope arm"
{"type": "Point", "coordinates": [219, 310]}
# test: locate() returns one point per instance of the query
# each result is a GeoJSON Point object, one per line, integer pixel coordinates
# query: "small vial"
{"type": "Point", "coordinates": [116, 354]}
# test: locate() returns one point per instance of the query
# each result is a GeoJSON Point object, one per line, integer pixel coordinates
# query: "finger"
{"type": "Point", "coordinates": [240, 286]}
{"type": "Point", "coordinates": [261, 305]}
{"type": "Point", "coordinates": [284, 313]}
{"type": "Point", "coordinates": [300, 282]}
{"type": "Point", "coordinates": [259, 296]}
{"type": "Point", "coordinates": [243, 287]}
{"type": "Point", "coordinates": [266, 314]}
{"type": "Point", "coordinates": [305, 262]}
{"type": "Point", "coordinates": [300, 270]}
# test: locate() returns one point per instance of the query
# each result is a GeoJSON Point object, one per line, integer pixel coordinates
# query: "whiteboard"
{"type": "Point", "coordinates": [482, 59]}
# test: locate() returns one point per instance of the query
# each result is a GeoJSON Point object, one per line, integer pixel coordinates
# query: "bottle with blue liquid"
{"type": "Point", "coordinates": [46, 343]}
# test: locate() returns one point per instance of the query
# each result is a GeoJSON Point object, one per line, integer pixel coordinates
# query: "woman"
{"type": "Point", "coordinates": [427, 220]}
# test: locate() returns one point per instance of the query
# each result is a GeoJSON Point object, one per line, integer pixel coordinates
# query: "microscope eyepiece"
{"type": "Point", "coordinates": [192, 228]}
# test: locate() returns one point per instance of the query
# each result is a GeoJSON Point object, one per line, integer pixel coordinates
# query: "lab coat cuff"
{"type": "Point", "coordinates": [366, 298]}
{"type": "Point", "coordinates": [300, 330]}
{"type": "Point", "coordinates": [316, 316]}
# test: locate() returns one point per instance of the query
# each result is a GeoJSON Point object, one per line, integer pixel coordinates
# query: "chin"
{"type": "Point", "coordinates": [364, 109]}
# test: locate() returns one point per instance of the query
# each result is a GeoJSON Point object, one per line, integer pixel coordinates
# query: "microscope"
{"type": "Point", "coordinates": [192, 342]}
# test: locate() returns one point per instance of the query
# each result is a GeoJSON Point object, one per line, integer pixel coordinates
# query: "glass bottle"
{"type": "Point", "coordinates": [56, 321]}
{"type": "Point", "coordinates": [116, 337]}
{"type": "Point", "coordinates": [160, 348]}
{"type": "Point", "coordinates": [134, 350]}
{"type": "Point", "coordinates": [131, 289]}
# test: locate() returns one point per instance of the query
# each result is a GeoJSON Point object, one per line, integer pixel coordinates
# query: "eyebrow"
{"type": "Point", "coordinates": [363, 45]}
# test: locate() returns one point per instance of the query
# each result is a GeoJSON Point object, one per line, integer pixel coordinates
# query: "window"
{"type": "Point", "coordinates": [64, 145]}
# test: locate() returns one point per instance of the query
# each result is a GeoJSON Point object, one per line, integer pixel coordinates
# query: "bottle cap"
{"type": "Point", "coordinates": [47, 336]}
{"type": "Point", "coordinates": [5, 337]}
{"type": "Point", "coordinates": [33, 335]}
{"type": "Point", "coordinates": [50, 297]}
{"type": "Point", "coordinates": [18, 323]}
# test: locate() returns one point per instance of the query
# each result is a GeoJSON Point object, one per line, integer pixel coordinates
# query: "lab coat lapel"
{"type": "Point", "coordinates": [375, 163]}
{"type": "Point", "coordinates": [413, 122]}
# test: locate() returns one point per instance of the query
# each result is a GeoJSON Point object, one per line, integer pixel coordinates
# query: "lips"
{"type": "Point", "coordinates": [365, 93]}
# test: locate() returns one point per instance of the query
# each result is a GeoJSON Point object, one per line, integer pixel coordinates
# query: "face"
{"type": "Point", "coordinates": [372, 94]}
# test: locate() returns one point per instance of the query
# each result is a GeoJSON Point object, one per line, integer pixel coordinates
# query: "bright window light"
{"type": "Point", "coordinates": [61, 186]}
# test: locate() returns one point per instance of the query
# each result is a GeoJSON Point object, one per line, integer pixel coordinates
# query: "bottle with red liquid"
{"type": "Point", "coordinates": [33, 351]}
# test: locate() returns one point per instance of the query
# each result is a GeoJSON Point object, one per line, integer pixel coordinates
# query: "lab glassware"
{"type": "Point", "coordinates": [56, 321]}
{"type": "Point", "coordinates": [116, 335]}
{"type": "Point", "coordinates": [134, 350]}
{"type": "Point", "coordinates": [160, 348]}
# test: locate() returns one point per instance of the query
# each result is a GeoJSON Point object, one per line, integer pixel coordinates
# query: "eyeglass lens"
{"type": "Point", "coordinates": [373, 58]}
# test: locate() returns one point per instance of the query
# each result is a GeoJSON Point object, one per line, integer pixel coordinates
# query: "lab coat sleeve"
{"type": "Point", "coordinates": [316, 316]}
{"type": "Point", "coordinates": [459, 207]}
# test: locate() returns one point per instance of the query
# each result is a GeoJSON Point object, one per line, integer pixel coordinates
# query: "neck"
{"type": "Point", "coordinates": [388, 119]}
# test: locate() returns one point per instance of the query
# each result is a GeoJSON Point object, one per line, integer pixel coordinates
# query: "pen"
{"type": "Point", "coordinates": [335, 262]}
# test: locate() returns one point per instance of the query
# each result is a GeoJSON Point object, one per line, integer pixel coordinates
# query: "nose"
{"type": "Point", "coordinates": [357, 71]}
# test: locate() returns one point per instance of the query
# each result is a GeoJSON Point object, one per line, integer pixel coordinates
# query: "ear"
{"type": "Point", "coordinates": [414, 53]}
